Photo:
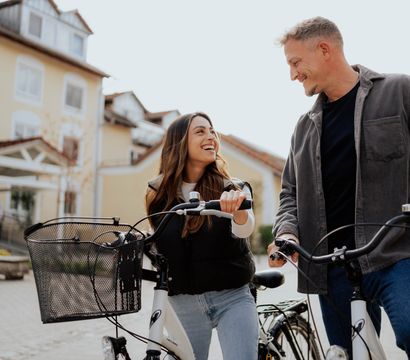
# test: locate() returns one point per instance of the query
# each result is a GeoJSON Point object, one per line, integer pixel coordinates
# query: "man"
{"type": "Point", "coordinates": [348, 163]}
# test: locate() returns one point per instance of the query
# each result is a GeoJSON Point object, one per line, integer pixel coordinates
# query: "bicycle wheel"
{"type": "Point", "coordinates": [294, 339]}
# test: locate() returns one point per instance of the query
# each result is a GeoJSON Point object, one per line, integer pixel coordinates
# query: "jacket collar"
{"type": "Point", "coordinates": [156, 182]}
{"type": "Point", "coordinates": [366, 79]}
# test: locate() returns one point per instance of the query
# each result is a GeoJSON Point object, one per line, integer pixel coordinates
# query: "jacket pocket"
{"type": "Point", "coordinates": [383, 138]}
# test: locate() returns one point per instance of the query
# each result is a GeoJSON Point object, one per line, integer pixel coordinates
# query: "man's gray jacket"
{"type": "Point", "coordinates": [382, 143]}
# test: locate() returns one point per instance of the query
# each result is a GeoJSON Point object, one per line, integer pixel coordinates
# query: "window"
{"type": "Point", "coordinates": [70, 202]}
{"type": "Point", "coordinates": [23, 131]}
{"type": "Point", "coordinates": [25, 125]}
{"type": "Point", "coordinates": [14, 199]}
{"type": "Point", "coordinates": [22, 200]}
{"type": "Point", "coordinates": [74, 96]}
{"type": "Point", "coordinates": [35, 25]}
{"type": "Point", "coordinates": [29, 81]}
{"type": "Point", "coordinates": [77, 45]}
{"type": "Point", "coordinates": [71, 146]}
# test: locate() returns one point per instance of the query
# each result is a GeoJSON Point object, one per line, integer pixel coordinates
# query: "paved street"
{"type": "Point", "coordinates": [23, 336]}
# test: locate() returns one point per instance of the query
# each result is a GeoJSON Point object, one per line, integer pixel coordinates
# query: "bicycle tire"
{"type": "Point", "coordinates": [294, 327]}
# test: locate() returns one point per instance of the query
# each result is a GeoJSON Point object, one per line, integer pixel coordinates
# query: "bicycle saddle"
{"type": "Point", "coordinates": [268, 278]}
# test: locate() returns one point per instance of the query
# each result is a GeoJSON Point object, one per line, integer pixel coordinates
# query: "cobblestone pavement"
{"type": "Point", "coordinates": [23, 336]}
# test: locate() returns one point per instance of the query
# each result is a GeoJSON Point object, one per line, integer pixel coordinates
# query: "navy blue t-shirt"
{"type": "Point", "coordinates": [339, 167]}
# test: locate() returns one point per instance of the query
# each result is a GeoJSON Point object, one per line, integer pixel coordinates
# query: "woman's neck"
{"type": "Point", "coordinates": [193, 173]}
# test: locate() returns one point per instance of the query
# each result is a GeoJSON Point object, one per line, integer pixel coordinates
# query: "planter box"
{"type": "Point", "coordinates": [14, 267]}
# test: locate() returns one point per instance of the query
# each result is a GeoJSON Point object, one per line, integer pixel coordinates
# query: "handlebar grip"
{"type": "Point", "coordinates": [285, 247]}
{"type": "Point", "coordinates": [215, 205]}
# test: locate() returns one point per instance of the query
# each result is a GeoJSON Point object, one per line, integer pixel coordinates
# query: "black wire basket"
{"type": "Point", "coordinates": [78, 276]}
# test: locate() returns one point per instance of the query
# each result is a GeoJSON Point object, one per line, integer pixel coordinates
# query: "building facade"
{"type": "Point", "coordinates": [50, 94]}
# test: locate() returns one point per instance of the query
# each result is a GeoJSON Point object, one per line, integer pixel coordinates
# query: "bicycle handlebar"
{"type": "Point", "coordinates": [342, 255]}
{"type": "Point", "coordinates": [195, 208]}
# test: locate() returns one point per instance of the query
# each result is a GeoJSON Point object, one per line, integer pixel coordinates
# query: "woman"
{"type": "Point", "coordinates": [209, 258]}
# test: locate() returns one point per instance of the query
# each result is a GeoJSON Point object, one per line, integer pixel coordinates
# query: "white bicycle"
{"type": "Point", "coordinates": [365, 341]}
{"type": "Point", "coordinates": [88, 268]}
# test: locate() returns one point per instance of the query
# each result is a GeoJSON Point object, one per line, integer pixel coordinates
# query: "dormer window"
{"type": "Point", "coordinates": [35, 25]}
{"type": "Point", "coordinates": [77, 45]}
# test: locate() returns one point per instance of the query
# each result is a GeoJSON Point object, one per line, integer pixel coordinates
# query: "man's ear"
{"type": "Point", "coordinates": [325, 48]}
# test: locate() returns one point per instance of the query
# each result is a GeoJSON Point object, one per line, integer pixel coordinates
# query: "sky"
{"type": "Point", "coordinates": [221, 56]}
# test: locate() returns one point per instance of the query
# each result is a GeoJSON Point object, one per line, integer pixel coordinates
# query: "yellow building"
{"type": "Point", "coordinates": [51, 95]}
{"type": "Point", "coordinates": [261, 169]}
{"type": "Point", "coordinates": [131, 137]}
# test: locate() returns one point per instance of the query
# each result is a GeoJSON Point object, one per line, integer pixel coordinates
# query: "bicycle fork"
{"type": "Point", "coordinates": [157, 320]}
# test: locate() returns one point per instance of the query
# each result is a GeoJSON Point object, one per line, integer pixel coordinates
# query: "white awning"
{"type": "Point", "coordinates": [27, 162]}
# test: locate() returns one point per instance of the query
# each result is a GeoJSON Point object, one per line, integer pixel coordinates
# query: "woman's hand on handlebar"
{"type": "Point", "coordinates": [230, 202]}
{"type": "Point", "coordinates": [275, 259]}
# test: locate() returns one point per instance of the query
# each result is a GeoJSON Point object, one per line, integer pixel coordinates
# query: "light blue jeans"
{"type": "Point", "coordinates": [232, 312]}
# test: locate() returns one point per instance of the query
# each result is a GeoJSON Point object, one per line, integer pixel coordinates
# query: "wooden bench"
{"type": "Point", "coordinates": [14, 267]}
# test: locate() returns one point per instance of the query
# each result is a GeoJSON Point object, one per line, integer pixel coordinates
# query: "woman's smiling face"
{"type": "Point", "coordinates": [203, 144]}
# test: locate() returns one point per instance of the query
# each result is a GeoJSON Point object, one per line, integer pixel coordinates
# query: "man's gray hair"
{"type": "Point", "coordinates": [313, 28]}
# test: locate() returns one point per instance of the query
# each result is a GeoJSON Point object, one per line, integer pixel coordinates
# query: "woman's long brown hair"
{"type": "Point", "coordinates": [172, 167]}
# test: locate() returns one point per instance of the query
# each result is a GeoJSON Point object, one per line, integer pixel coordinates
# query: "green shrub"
{"type": "Point", "coordinates": [265, 236]}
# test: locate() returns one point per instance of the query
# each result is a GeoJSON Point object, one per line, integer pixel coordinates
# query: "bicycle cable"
{"type": "Point", "coordinates": [117, 324]}
{"type": "Point", "coordinates": [103, 308]}
{"type": "Point", "coordinates": [133, 227]}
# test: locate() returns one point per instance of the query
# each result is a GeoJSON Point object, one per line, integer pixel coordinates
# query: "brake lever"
{"type": "Point", "coordinates": [202, 211]}
{"type": "Point", "coordinates": [217, 213]}
{"type": "Point", "coordinates": [276, 256]}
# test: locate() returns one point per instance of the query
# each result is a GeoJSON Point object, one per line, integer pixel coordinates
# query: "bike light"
{"type": "Point", "coordinates": [336, 352]}
{"type": "Point", "coordinates": [108, 348]}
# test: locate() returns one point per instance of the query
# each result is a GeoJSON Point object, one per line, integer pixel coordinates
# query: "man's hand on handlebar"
{"type": "Point", "coordinates": [277, 260]}
{"type": "Point", "coordinates": [230, 202]}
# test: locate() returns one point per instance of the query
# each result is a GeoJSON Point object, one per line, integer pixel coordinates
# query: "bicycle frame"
{"type": "Point", "coordinates": [263, 340]}
{"type": "Point", "coordinates": [163, 317]}
{"type": "Point", "coordinates": [364, 333]}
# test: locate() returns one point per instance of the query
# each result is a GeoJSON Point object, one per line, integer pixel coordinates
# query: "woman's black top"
{"type": "Point", "coordinates": [210, 259]}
